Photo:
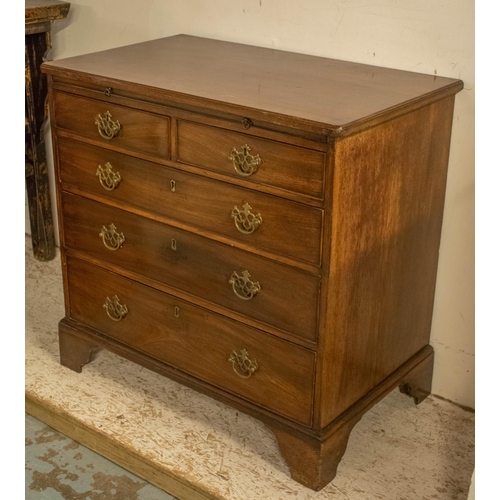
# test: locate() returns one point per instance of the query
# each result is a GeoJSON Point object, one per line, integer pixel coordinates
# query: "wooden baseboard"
{"type": "Point", "coordinates": [113, 450]}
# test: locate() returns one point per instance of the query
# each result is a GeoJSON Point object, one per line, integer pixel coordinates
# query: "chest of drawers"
{"type": "Point", "coordinates": [259, 225]}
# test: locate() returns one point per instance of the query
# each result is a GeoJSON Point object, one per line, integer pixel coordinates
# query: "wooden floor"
{"type": "Point", "coordinates": [196, 448]}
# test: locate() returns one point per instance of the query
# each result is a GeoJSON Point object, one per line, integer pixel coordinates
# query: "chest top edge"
{"type": "Point", "coordinates": [307, 91]}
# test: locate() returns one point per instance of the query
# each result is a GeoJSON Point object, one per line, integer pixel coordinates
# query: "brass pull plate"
{"type": "Point", "coordinates": [243, 366]}
{"type": "Point", "coordinates": [244, 163]}
{"type": "Point", "coordinates": [109, 180]}
{"type": "Point", "coordinates": [106, 127]}
{"type": "Point", "coordinates": [245, 221]}
{"type": "Point", "coordinates": [112, 239]}
{"type": "Point", "coordinates": [114, 309]}
{"type": "Point", "coordinates": [243, 286]}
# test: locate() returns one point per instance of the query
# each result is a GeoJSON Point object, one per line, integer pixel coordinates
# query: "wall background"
{"type": "Point", "coordinates": [427, 36]}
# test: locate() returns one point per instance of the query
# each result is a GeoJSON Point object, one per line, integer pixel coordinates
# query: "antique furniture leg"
{"type": "Point", "coordinates": [311, 462]}
{"type": "Point", "coordinates": [38, 18]}
{"type": "Point", "coordinates": [313, 459]}
{"type": "Point", "coordinates": [74, 350]}
{"type": "Point", "coordinates": [418, 383]}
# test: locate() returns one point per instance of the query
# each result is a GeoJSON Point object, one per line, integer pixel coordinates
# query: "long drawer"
{"type": "Point", "coordinates": [256, 366]}
{"type": "Point", "coordinates": [137, 130]}
{"type": "Point", "coordinates": [262, 221]}
{"type": "Point", "coordinates": [253, 286]}
{"type": "Point", "coordinates": [243, 156]}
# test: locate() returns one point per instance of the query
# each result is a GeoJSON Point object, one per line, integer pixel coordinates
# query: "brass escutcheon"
{"type": "Point", "coordinates": [244, 220]}
{"type": "Point", "coordinates": [106, 126]}
{"type": "Point", "coordinates": [114, 309]}
{"type": "Point", "coordinates": [243, 366]}
{"type": "Point", "coordinates": [112, 239]}
{"type": "Point", "coordinates": [246, 122]}
{"type": "Point", "coordinates": [244, 163]}
{"type": "Point", "coordinates": [243, 286]}
{"type": "Point", "coordinates": [109, 180]}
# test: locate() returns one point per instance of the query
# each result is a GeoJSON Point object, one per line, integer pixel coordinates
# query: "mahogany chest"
{"type": "Point", "coordinates": [260, 225]}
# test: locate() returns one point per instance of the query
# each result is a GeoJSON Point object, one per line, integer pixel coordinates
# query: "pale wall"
{"type": "Point", "coordinates": [419, 35]}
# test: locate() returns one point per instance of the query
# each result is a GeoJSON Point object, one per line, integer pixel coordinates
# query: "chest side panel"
{"type": "Point", "coordinates": [389, 187]}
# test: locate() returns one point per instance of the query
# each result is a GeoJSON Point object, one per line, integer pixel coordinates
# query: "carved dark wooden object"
{"type": "Point", "coordinates": [38, 17]}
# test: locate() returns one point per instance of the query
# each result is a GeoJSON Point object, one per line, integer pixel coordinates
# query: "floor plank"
{"type": "Point", "coordinates": [58, 467]}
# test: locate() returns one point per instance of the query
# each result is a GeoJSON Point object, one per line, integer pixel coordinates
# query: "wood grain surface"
{"type": "Point", "coordinates": [139, 131]}
{"type": "Point", "coordinates": [288, 298]}
{"type": "Point", "coordinates": [313, 89]}
{"type": "Point", "coordinates": [389, 196]}
{"type": "Point", "coordinates": [196, 341]}
{"type": "Point", "coordinates": [287, 228]}
{"type": "Point", "coordinates": [287, 167]}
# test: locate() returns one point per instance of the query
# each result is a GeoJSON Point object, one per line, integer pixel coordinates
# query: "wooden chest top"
{"type": "Point", "coordinates": [326, 92]}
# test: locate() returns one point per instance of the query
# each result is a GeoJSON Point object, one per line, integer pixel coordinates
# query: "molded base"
{"type": "Point", "coordinates": [313, 460]}
{"type": "Point", "coordinates": [312, 457]}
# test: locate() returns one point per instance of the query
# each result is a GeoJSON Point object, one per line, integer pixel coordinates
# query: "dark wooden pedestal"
{"type": "Point", "coordinates": [39, 15]}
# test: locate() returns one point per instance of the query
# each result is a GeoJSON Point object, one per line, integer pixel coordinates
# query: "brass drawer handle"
{"type": "Point", "coordinates": [112, 239]}
{"type": "Point", "coordinates": [106, 126]}
{"type": "Point", "coordinates": [109, 180]}
{"type": "Point", "coordinates": [243, 366]}
{"type": "Point", "coordinates": [243, 286]}
{"type": "Point", "coordinates": [114, 309]}
{"type": "Point", "coordinates": [244, 163]}
{"type": "Point", "coordinates": [245, 221]}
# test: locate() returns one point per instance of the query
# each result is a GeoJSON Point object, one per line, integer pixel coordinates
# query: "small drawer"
{"type": "Point", "coordinates": [252, 286]}
{"type": "Point", "coordinates": [113, 124]}
{"type": "Point", "coordinates": [241, 360]}
{"type": "Point", "coordinates": [243, 156]}
{"type": "Point", "coordinates": [258, 220]}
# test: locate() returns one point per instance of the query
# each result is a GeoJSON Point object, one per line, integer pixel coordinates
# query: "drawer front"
{"type": "Point", "coordinates": [138, 130]}
{"type": "Point", "coordinates": [280, 165]}
{"type": "Point", "coordinates": [287, 298]}
{"type": "Point", "coordinates": [279, 375]}
{"type": "Point", "coordinates": [258, 220]}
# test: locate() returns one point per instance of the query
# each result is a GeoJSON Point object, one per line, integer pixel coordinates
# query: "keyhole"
{"type": "Point", "coordinates": [173, 245]}
{"type": "Point", "coordinates": [176, 311]}
{"type": "Point", "coordinates": [172, 186]}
